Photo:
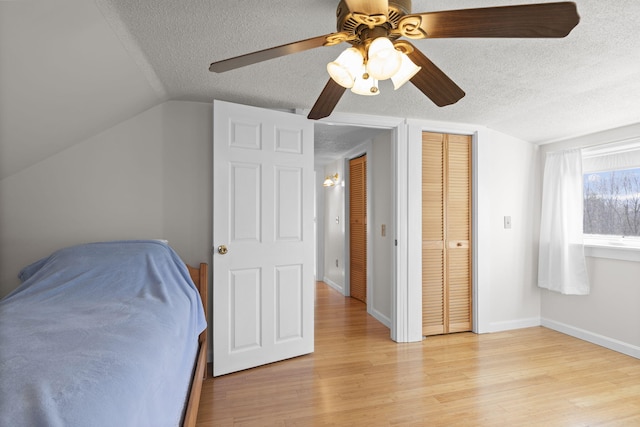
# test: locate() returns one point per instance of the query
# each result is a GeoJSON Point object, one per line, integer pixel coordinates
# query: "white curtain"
{"type": "Point", "coordinates": [561, 263]}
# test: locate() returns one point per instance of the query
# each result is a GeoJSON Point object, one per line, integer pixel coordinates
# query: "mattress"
{"type": "Point", "coordinates": [101, 334]}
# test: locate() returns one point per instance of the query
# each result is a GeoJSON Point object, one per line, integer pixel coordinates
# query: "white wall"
{"type": "Point", "coordinates": [380, 194]}
{"type": "Point", "coordinates": [150, 177]}
{"type": "Point", "coordinates": [505, 182]}
{"type": "Point", "coordinates": [610, 314]}
{"type": "Point", "coordinates": [147, 177]}
{"type": "Point", "coordinates": [334, 228]}
{"type": "Point", "coordinates": [319, 222]}
{"type": "Point", "coordinates": [188, 179]}
{"type": "Point", "coordinates": [508, 186]}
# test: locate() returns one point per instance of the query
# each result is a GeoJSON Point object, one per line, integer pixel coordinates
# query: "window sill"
{"type": "Point", "coordinates": [611, 251]}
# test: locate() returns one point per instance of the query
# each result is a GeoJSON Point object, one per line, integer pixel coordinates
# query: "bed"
{"type": "Point", "coordinates": [104, 334]}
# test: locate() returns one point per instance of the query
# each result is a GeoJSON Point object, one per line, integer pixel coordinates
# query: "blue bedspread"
{"type": "Point", "coordinates": [103, 334]}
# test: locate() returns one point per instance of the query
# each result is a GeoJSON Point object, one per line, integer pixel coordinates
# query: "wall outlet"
{"type": "Point", "coordinates": [507, 222]}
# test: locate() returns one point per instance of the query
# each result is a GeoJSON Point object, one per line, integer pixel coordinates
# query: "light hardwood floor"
{"type": "Point", "coordinates": [357, 376]}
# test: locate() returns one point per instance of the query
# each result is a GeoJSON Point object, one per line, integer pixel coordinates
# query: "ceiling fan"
{"type": "Point", "coordinates": [373, 29]}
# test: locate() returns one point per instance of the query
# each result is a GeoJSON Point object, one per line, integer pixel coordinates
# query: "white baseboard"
{"type": "Point", "coordinates": [334, 285]}
{"type": "Point", "coordinates": [601, 340]}
{"type": "Point", "coordinates": [380, 318]}
{"type": "Point", "coordinates": [513, 324]}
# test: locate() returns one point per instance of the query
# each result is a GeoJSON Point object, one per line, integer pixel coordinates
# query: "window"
{"type": "Point", "coordinates": [611, 193]}
{"type": "Point", "coordinates": [612, 202]}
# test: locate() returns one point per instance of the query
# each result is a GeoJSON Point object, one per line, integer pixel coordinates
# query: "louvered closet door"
{"type": "Point", "coordinates": [358, 228]}
{"type": "Point", "coordinates": [446, 231]}
{"type": "Point", "coordinates": [433, 280]}
{"type": "Point", "coordinates": [458, 260]}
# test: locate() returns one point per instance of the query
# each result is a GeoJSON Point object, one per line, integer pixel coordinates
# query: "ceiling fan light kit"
{"type": "Point", "coordinates": [365, 84]}
{"type": "Point", "coordinates": [346, 67]}
{"type": "Point", "coordinates": [361, 73]}
{"type": "Point", "coordinates": [383, 60]}
{"type": "Point", "coordinates": [407, 70]}
{"type": "Point", "coordinates": [373, 28]}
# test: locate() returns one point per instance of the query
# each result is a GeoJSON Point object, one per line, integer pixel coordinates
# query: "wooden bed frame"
{"type": "Point", "coordinates": [200, 277]}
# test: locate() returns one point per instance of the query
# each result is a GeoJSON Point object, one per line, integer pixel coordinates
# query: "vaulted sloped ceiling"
{"type": "Point", "coordinates": [65, 75]}
{"type": "Point", "coordinates": [71, 68]}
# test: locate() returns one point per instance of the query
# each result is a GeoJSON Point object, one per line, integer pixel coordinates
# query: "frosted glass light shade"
{"type": "Point", "coordinates": [344, 69]}
{"type": "Point", "coordinates": [365, 86]}
{"type": "Point", "coordinates": [407, 70]}
{"type": "Point", "coordinates": [331, 180]}
{"type": "Point", "coordinates": [384, 60]}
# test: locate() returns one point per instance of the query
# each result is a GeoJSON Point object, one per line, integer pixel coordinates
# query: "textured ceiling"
{"type": "Point", "coordinates": [71, 69]}
{"type": "Point", "coordinates": [538, 90]}
{"type": "Point", "coordinates": [333, 142]}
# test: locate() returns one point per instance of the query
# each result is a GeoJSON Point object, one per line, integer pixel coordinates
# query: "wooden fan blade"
{"type": "Point", "coordinates": [266, 54]}
{"type": "Point", "coordinates": [327, 100]}
{"type": "Point", "coordinates": [367, 7]}
{"type": "Point", "coordinates": [433, 82]}
{"type": "Point", "coordinates": [526, 21]}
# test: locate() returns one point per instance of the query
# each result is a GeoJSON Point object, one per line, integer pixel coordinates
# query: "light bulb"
{"type": "Point", "coordinates": [344, 69]}
{"type": "Point", "coordinates": [383, 59]}
{"type": "Point", "coordinates": [365, 84]}
{"type": "Point", "coordinates": [407, 70]}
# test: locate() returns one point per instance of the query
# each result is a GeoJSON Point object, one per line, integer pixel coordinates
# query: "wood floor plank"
{"type": "Point", "coordinates": [358, 376]}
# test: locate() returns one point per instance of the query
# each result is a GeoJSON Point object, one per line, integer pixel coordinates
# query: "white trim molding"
{"type": "Point", "coordinates": [611, 251]}
{"type": "Point", "coordinates": [402, 323]}
{"type": "Point", "coordinates": [381, 318]}
{"type": "Point", "coordinates": [481, 239]}
{"type": "Point", "coordinates": [592, 337]}
{"type": "Point", "coordinates": [333, 284]}
{"type": "Point", "coordinates": [509, 325]}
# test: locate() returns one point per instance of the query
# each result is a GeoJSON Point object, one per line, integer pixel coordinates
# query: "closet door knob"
{"type": "Point", "coordinates": [222, 250]}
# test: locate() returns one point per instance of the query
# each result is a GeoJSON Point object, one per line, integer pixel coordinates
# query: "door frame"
{"type": "Point", "coordinates": [479, 292]}
{"type": "Point", "coordinates": [406, 298]}
{"type": "Point", "coordinates": [405, 320]}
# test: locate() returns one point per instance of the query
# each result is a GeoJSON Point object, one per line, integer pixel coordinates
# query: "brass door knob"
{"type": "Point", "coordinates": [222, 249]}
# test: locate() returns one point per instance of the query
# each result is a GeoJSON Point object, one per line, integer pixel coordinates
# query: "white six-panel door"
{"type": "Point", "coordinates": [263, 286]}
